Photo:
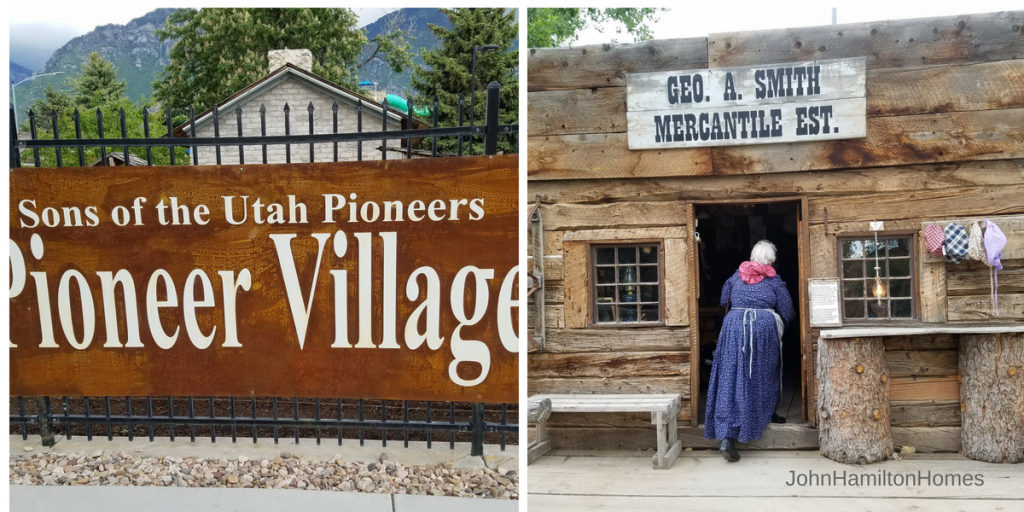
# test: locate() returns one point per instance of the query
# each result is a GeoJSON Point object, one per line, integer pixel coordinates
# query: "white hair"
{"type": "Point", "coordinates": [763, 252]}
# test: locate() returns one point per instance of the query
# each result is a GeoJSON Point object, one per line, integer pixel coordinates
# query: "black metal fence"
{"type": "Point", "coordinates": [251, 417]}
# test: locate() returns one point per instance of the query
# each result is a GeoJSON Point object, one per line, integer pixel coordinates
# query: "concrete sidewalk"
{"type": "Point", "coordinates": [174, 499]}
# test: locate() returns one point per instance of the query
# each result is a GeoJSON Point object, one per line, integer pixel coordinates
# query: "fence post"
{"type": "Point", "coordinates": [491, 122]}
{"type": "Point", "coordinates": [477, 449]}
{"type": "Point", "coordinates": [45, 425]}
{"type": "Point", "coordinates": [15, 155]}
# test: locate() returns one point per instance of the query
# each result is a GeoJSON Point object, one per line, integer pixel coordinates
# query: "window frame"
{"type": "Point", "coordinates": [915, 280]}
{"type": "Point", "coordinates": [592, 247]}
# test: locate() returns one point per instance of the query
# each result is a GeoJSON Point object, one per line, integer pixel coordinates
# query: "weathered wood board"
{"type": "Point", "coordinates": [655, 339]}
{"type": "Point", "coordinates": [896, 140]}
{"type": "Point", "coordinates": [887, 44]}
{"type": "Point", "coordinates": [609, 364]}
{"type": "Point", "coordinates": [606, 65]}
{"type": "Point", "coordinates": [626, 384]}
{"type": "Point", "coordinates": [306, 284]}
{"type": "Point", "coordinates": [607, 155]}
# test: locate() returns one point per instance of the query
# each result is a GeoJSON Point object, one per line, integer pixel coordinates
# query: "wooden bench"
{"type": "Point", "coordinates": [539, 412]}
{"type": "Point", "coordinates": [663, 409]}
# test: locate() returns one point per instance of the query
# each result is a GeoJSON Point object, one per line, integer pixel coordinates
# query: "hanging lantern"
{"type": "Point", "coordinates": [878, 289]}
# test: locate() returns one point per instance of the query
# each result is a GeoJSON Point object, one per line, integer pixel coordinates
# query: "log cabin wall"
{"type": "Point", "coordinates": [945, 142]}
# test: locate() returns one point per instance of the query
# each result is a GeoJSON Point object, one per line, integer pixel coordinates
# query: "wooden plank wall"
{"type": "Point", "coordinates": [945, 89]}
{"type": "Point", "coordinates": [945, 106]}
{"type": "Point", "coordinates": [583, 359]}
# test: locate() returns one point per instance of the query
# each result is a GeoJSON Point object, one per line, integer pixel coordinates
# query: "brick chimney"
{"type": "Point", "coordinates": [298, 58]}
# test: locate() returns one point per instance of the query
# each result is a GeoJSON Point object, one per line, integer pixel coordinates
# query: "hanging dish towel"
{"type": "Point", "coordinates": [956, 243]}
{"type": "Point", "coordinates": [995, 240]}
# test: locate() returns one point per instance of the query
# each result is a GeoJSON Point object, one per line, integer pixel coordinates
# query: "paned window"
{"type": "Point", "coordinates": [890, 295]}
{"type": "Point", "coordinates": [627, 283]}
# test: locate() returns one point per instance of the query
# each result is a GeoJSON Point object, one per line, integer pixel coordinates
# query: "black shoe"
{"type": "Point", "coordinates": [728, 450]}
{"type": "Point", "coordinates": [778, 419]}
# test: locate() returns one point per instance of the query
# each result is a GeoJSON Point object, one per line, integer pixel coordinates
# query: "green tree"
{"type": "Point", "coordinates": [221, 51]}
{"type": "Point", "coordinates": [58, 100]}
{"type": "Point", "coordinates": [89, 123]}
{"type": "Point", "coordinates": [448, 71]}
{"type": "Point", "coordinates": [97, 83]}
{"type": "Point", "coordinates": [552, 27]}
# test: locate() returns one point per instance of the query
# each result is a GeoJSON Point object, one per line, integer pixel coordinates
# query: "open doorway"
{"type": "Point", "coordinates": [728, 232]}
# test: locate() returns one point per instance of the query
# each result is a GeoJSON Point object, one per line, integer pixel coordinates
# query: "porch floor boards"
{"type": "Point", "coordinates": [702, 480]}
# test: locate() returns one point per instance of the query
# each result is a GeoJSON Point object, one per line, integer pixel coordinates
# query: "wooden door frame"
{"type": "Point", "coordinates": [804, 266]}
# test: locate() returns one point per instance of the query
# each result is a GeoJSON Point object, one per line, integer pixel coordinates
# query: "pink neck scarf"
{"type": "Point", "coordinates": [752, 272]}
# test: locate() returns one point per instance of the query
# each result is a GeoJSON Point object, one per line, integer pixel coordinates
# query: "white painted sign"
{"type": "Point", "coordinates": [824, 298]}
{"type": "Point", "coordinates": [762, 104]}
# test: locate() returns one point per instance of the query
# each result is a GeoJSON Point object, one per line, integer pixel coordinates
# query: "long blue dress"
{"type": "Point", "coordinates": [744, 390]}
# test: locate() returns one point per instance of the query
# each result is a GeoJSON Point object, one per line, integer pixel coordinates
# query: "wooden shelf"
{"type": "Point", "coordinates": [872, 332]}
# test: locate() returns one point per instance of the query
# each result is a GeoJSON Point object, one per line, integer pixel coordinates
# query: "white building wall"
{"type": "Point", "coordinates": [298, 96]}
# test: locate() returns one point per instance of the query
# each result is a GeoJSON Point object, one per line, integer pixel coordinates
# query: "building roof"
{"type": "Point", "coordinates": [317, 82]}
{"type": "Point", "coordinates": [117, 158]}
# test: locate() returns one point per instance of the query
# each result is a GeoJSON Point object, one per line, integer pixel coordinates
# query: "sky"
{"type": "Point", "coordinates": [35, 33]}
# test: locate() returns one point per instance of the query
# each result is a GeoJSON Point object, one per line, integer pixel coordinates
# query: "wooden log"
{"type": "Point", "coordinates": [924, 413]}
{"type": "Point", "coordinates": [992, 173]}
{"type": "Point", "coordinates": [932, 363]}
{"type": "Point", "coordinates": [577, 111]}
{"type": "Point", "coordinates": [980, 307]}
{"type": "Point", "coordinates": [554, 292]}
{"type": "Point", "coordinates": [978, 282]}
{"type": "Point", "coordinates": [928, 439]}
{"type": "Point", "coordinates": [654, 339]}
{"type": "Point", "coordinates": [626, 234]}
{"type": "Point", "coordinates": [922, 342]}
{"type": "Point", "coordinates": [554, 269]}
{"type": "Point", "coordinates": [607, 155]}
{"type": "Point", "coordinates": [899, 140]}
{"type": "Point", "coordinates": [626, 384]}
{"type": "Point", "coordinates": [615, 215]}
{"type": "Point", "coordinates": [605, 364]}
{"type": "Point", "coordinates": [606, 65]}
{"type": "Point", "coordinates": [887, 44]}
{"type": "Point", "coordinates": [924, 388]}
{"type": "Point", "coordinates": [992, 201]}
{"type": "Point", "coordinates": [936, 89]}
{"type": "Point", "coordinates": [853, 401]}
{"type": "Point", "coordinates": [992, 393]}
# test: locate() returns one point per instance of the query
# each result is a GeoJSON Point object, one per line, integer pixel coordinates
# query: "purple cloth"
{"type": "Point", "coordinates": [742, 396]}
{"type": "Point", "coordinates": [995, 240]}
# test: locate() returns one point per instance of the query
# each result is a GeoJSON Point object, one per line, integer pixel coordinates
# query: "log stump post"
{"type": "Point", "coordinates": [992, 396]}
{"type": "Point", "coordinates": [853, 400]}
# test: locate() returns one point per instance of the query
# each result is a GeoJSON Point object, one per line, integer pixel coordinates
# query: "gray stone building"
{"type": "Point", "coordinates": [291, 81]}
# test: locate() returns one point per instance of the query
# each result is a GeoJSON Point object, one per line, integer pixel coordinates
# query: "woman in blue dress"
{"type": "Point", "coordinates": [745, 378]}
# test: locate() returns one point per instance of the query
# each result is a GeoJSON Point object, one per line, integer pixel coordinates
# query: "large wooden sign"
{"type": "Point", "coordinates": [794, 102]}
{"type": "Point", "coordinates": [393, 279]}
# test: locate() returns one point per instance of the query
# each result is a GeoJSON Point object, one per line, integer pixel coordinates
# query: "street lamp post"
{"type": "Point", "coordinates": [472, 94]}
{"type": "Point", "coordinates": [14, 94]}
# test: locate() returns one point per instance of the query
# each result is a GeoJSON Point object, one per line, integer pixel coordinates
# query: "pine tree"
{"type": "Point", "coordinates": [97, 84]}
{"type": "Point", "coordinates": [449, 71]}
{"type": "Point", "coordinates": [221, 51]}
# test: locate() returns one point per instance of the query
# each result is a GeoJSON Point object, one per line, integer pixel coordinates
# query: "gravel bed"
{"type": "Point", "coordinates": [286, 471]}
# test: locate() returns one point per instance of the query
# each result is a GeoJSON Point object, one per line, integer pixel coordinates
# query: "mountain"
{"type": "Point", "coordinates": [136, 53]}
{"type": "Point", "coordinates": [19, 73]}
{"type": "Point", "coordinates": [414, 22]}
